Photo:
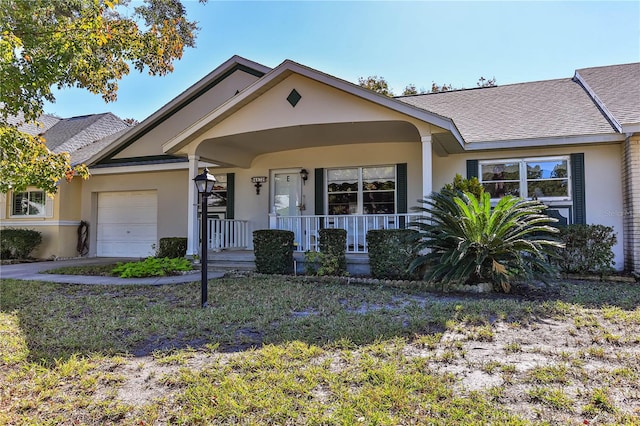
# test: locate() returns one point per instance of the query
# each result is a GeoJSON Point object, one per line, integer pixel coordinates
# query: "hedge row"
{"type": "Point", "coordinates": [18, 243]}
{"type": "Point", "coordinates": [273, 250]}
{"type": "Point", "coordinates": [588, 249]}
{"type": "Point", "coordinates": [391, 252]}
{"type": "Point", "coordinates": [172, 247]}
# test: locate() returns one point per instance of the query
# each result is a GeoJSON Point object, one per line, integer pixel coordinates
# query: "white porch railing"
{"type": "Point", "coordinates": [228, 234]}
{"type": "Point", "coordinates": [306, 228]}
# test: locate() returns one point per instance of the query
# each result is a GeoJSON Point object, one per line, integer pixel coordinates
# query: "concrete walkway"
{"type": "Point", "coordinates": [32, 271]}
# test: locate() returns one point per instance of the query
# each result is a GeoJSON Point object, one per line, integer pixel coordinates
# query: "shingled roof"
{"type": "Point", "coordinates": [71, 134]}
{"type": "Point", "coordinates": [45, 122]}
{"type": "Point", "coordinates": [83, 154]}
{"type": "Point", "coordinates": [536, 110]}
{"type": "Point", "coordinates": [81, 136]}
{"type": "Point", "coordinates": [617, 87]}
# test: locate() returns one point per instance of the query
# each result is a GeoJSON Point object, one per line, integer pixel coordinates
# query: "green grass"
{"type": "Point", "coordinates": [553, 397]}
{"type": "Point", "coordinates": [273, 350]}
{"type": "Point", "coordinates": [93, 270]}
{"type": "Point", "coordinates": [149, 267]}
{"type": "Point", "coordinates": [61, 320]}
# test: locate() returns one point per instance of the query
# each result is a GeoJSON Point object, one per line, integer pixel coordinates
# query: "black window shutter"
{"type": "Point", "coordinates": [231, 186]}
{"type": "Point", "coordinates": [401, 175]}
{"type": "Point", "coordinates": [578, 189]}
{"type": "Point", "coordinates": [472, 169]}
{"type": "Point", "coordinates": [319, 191]}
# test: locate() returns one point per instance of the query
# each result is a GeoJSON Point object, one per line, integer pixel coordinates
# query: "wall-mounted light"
{"type": "Point", "coordinates": [258, 181]}
{"type": "Point", "coordinates": [304, 174]}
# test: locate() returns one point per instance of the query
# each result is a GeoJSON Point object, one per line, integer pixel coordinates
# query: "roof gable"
{"type": "Point", "coordinates": [147, 137]}
{"type": "Point", "coordinates": [71, 134]}
{"type": "Point", "coordinates": [255, 93]}
{"type": "Point", "coordinates": [616, 89]}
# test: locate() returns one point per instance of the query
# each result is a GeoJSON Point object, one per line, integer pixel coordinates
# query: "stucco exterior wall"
{"type": "Point", "coordinates": [58, 241]}
{"type": "Point", "coordinates": [603, 181]}
{"type": "Point", "coordinates": [67, 201]}
{"type": "Point", "coordinates": [172, 189]}
{"type": "Point", "coordinates": [319, 104]}
{"type": "Point", "coordinates": [58, 227]}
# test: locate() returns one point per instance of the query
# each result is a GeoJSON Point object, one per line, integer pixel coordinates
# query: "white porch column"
{"type": "Point", "coordinates": [273, 221]}
{"type": "Point", "coordinates": [192, 215]}
{"type": "Point", "coordinates": [427, 165]}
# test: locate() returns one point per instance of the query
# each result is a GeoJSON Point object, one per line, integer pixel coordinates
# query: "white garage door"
{"type": "Point", "coordinates": [127, 223]}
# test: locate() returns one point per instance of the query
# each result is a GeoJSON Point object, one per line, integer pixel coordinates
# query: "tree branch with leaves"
{"type": "Point", "coordinates": [87, 44]}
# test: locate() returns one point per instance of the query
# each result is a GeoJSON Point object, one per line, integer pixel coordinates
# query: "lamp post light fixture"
{"type": "Point", "coordinates": [205, 182]}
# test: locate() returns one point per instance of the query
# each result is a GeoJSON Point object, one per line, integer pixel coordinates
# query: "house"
{"type": "Point", "coordinates": [58, 219]}
{"type": "Point", "coordinates": [295, 148]}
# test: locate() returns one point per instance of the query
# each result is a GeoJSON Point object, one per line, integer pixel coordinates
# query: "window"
{"type": "Point", "coordinates": [218, 198]}
{"type": "Point", "coordinates": [362, 190]}
{"type": "Point", "coordinates": [28, 203]}
{"type": "Point", "coordinates": [540, 178]}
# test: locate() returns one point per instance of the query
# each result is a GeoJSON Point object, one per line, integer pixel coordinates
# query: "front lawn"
{"type": "Point", "coordinates": [149, 267]}
{"type": "Point", "coordinates": [103, 270]}
{"type": "Point", "coordinates": [299, 351]}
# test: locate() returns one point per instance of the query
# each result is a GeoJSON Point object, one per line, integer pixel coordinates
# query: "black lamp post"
{"type": "Point", "coordinates": [204, 184]}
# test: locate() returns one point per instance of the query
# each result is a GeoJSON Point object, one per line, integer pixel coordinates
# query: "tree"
{"type": "Point", "coordinates": [444, 88]}
{"type": "Point", "coordinates": [380, 85]}
{"type": "Point", "coordinates": [88, 44]}
{"type": "Point", "coordinates": [411, 89]}
{"type": "Point", "coordinates": [376, 84]}
{"type": "Point", "coordinates": [483, 82]}
{"type": "Point", "coordinates": [463, 185]}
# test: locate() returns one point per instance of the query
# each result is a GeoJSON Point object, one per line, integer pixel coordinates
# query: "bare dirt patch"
{"type": "Point", "coordinates": [547, 370]}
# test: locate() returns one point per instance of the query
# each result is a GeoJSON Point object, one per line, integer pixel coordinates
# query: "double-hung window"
{"type": "Point", "coordinates": [29, 203]}
{"type": "Point", "coordinates": [545, 178]}
{"type": "Point", "coordinates": [218, 198]}
{"type": "Point", "coordinates": [361, 190]}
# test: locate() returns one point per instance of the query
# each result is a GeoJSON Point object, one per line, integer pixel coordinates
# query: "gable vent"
{"type": "Point", "coordinates": [294, 97]}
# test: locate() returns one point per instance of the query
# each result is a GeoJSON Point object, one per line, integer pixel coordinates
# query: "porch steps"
{"type": "Point", "coordinates": [244, 260]}
{"type": "Point", "coordinates": [231, 260]}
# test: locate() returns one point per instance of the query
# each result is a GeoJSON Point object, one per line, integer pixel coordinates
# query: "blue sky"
{"type": "Point", "coordinates": [416, 42]}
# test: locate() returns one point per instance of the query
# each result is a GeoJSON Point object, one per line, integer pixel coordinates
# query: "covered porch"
{"type": "Point", "coordinates": [231, 234]}
{"type": "Point", "coordinates": [366, 158]}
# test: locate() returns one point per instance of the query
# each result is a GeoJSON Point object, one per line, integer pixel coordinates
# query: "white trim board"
{"type": "Point", "coordinates": [26, 223]}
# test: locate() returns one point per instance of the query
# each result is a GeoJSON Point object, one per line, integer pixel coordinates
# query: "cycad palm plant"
{"type": "Point", "coordinates": [465, 240]}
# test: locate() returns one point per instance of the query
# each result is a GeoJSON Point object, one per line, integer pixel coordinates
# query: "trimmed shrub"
{"type": "Point", "coordinates": [18, 243]}
{"type": "Point", "coordinates": [172, 247]}
{"type": "Point", "coordinates": [391, 252]}
{"type": "Point", "coordinates": [273, 249]}
{"type": "Point", "coordinates": [333, 246]}
{"type": "Point", "coordinates": [588, 249]}
{"type": "Point", "coordinates": [332, 258]}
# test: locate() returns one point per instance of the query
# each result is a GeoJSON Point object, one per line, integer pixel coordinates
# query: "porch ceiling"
{"type": "Point", "coordinates": [239, 150]}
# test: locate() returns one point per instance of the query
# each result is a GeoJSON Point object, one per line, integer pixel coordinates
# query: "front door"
{"type": "Point", "coordinates": [286, 192]}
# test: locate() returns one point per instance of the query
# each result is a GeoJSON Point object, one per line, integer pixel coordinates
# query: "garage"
{"type": "Point", "coordinates": [127, 223]}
